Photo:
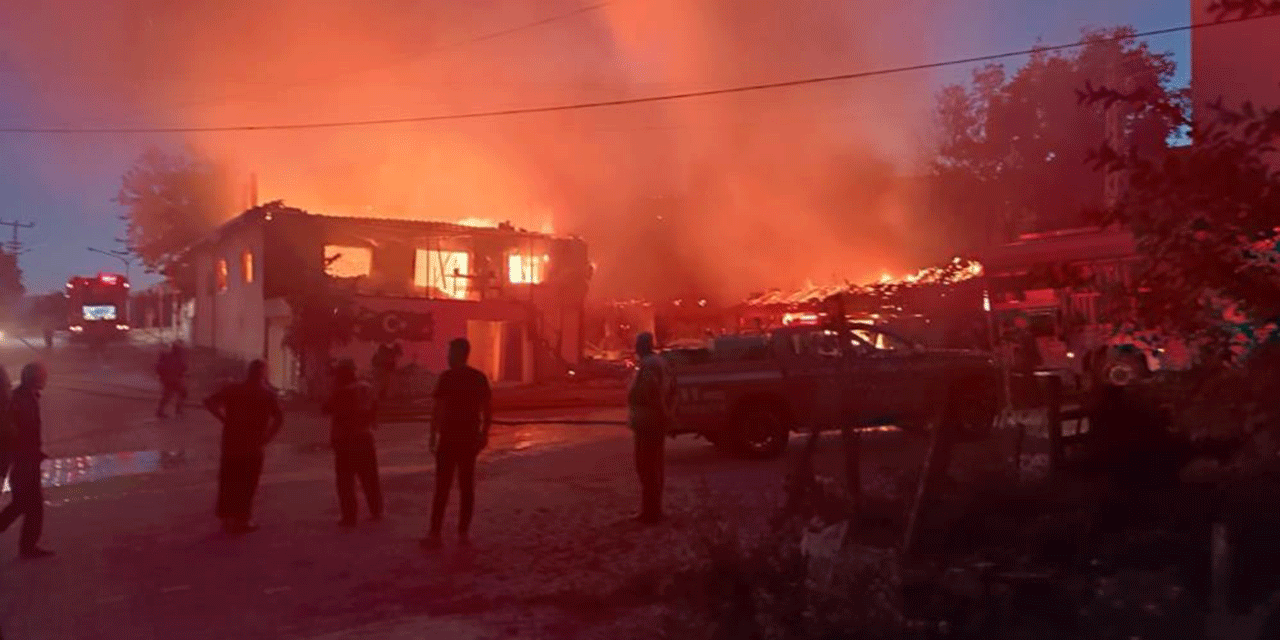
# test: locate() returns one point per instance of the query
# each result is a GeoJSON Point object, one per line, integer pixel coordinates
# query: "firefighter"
{"type": "Point", "coordinates": [650, 404]}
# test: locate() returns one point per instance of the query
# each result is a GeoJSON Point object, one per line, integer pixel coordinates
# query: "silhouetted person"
{"type": "Point", "coordinates": [172, 369]}
{"type": "Point", "coordinates": [6, 425]}
{"type": "Point", "coordinates": [354, 411]}
{"type": "Point", "coordinates": [27, 454]}
{"type": "Point", "coordinates": [650, 404]}
{"type": "Point", "coordinates": [251, 417]}
{"type": "Point", "coordinates": [385, 361]}
{"type": "Point", "coordinates": [460, 424]}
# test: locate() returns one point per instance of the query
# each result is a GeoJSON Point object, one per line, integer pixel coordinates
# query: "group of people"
{"type": "Point", "coordinates": [251, 417]}
{"type": "Point", "coordinates": [460, 425]}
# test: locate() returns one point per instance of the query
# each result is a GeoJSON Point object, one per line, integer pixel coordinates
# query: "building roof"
{"type": "Point", "coordinates": [1070, 245]}
{"type": "Point", "coordinates": [278, 209]}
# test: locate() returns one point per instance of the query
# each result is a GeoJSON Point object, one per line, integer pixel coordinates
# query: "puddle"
{"type": "Point", "coordinates": [61, 472]}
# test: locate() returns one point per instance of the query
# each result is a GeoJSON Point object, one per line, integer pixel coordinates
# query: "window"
{"type": "Point", "coordinates": [246, 266]}
{"type": "Point", "coordinates": [220, 275]}
{"type": "Point", "coordinates": [822, 343]}
{"type": "Point", "coordinates": [347, 262]}
{"type": "Point", "coordinates": [442, 272]}
{"type": "Point", "coordinates": [880, 341]}
{"type": "Point", "coordinates": [526, 269]}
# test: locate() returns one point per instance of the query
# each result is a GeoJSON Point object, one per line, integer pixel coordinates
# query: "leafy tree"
{"type": "Point", "coordinates": [172, 200]}
{"type": "Point", "coordinates": [1013, 145]}
{"type": "Point", "coordinates": [11, 287]}
{"type": "Point", "coordinates": [1206, 217]}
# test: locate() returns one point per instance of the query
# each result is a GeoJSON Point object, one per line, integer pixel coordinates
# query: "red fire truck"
{"type": "Point", "coordinates": [98, 308]}
{"type": "Point", "coordinates": [1075, 292]}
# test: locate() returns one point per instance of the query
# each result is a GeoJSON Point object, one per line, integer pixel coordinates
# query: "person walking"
{"type": "Point", "coordinates": [650, 406]}
{"type": "Point", "coordinates": [460, 423]}
{"type": "Point", "coordinates": [251, 418]}
{"type": "Point", "coordinates": [26, 450]}
{"type": "Point", "coordinates": [353, 410]}
{"type": "Point", "coordinates": [172, 369]}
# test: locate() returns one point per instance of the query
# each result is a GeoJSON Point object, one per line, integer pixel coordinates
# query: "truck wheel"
{"type": "Point", "coordinates": [762, 431]}
{"type": "Point", "coordinates": [1123, 370]}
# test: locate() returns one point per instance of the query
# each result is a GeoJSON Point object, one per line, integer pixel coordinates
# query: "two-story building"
{"type": "Point", "coordinates": [517, 295]}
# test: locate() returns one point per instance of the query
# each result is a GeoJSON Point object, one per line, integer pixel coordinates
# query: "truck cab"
{"type": "Point", "coordinates": [748, 393]}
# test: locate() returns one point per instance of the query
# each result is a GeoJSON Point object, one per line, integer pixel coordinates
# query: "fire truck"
{"type": "Point", "coordinates": [1075, 292]}
{"type": "Point", "coordinates": [97, 308]}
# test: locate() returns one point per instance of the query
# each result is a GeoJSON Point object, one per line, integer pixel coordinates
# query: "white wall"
{"type": "Point", "coordinates": [451, 319]}
{"type": "Point", "coordinates": [231, 321]}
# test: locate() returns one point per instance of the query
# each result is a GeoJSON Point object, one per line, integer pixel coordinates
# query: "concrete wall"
{"type": "Point", "coordinates": [1236, 62]}
{"type": "Point", "coordinates": [476, 321]}
{"type": "Point", "coordinates": [231, 321]}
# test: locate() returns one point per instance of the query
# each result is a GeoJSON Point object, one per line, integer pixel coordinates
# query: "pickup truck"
{"type": "Point", "coordinates": [746, 394]}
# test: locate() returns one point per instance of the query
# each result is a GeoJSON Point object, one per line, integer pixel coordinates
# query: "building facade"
{"type": "Point", "coordinates": [517, 296]}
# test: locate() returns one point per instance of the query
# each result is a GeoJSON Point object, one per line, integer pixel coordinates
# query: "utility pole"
{"type": "Point", "coordinates": [14, 246]}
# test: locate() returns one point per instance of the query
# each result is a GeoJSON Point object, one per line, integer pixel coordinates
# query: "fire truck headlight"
{"type": "Point", "coordinates": [122, 327]}
{"type": "Point", "coordinates": [1071, 354]}
{"type": "Point", "coordinates": [75, 328]}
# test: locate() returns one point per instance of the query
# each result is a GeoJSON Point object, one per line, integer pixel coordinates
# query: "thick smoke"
{"type": "Point", "coordinates": [716, 197]}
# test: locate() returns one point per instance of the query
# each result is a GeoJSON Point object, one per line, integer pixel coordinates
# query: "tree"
{"type": "Point", "coordinates": [11, 287]}
{"type": "Point", "coordinates": [172, 200]}
{"type": "Point", "coordinates": [1206, 217]}
{"type": "Point", "coordinates": [1013, 146]}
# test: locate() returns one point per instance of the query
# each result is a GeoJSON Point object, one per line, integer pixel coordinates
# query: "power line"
{"type": "Point", "coordinates": [619, 102]}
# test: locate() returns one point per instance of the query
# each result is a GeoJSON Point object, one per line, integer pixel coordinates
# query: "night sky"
{"type": "Point", "coordinates": [64, 183]}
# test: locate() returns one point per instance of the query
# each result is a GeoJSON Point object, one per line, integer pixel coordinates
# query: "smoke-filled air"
{"type": "Point", "coordinates": [725, 195]}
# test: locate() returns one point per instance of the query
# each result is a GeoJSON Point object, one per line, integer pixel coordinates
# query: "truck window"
{"type": "Point", "coordinates": [816, 344]}
{"type": "Point", "coordinates": [880, 341]}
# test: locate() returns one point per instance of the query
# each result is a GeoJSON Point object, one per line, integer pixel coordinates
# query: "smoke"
{"type": "Point", "coordinates": [716, 197]}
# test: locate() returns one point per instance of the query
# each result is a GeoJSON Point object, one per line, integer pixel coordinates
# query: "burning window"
{"type": "Point", "coordinates": [442, 272]}
{"type": "Point", "coordinates": [526, 269]}
{"type": "Point", "coordinates": [220, 276]}
{"type": "Point", "coordinates": [347, 262]}
{"type": "Point", "coordinates": [246, 266]}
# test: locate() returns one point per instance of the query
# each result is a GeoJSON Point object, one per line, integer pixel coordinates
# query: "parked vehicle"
{"type": "Point", "coordinates": [746, 394]}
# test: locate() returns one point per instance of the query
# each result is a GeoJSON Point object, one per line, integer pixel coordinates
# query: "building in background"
{"type": "Point", "coordinates": [517, 295]}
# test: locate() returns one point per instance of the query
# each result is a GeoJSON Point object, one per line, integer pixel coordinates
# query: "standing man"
{"type": "Point", "coordinates": [172, 369]}
{"type": "Point", "coordinates": [27, 453]}
{"type": "Point", "coordinates": [385, 361]}
{"type": "Point", "coordinates": [650, 404]}
{"type": "Point", "coordinates": [354, 412]}
{"type": "Point", "coordinates": [460, 424]}
{"type": "Point", "coordinates": [250, 417]}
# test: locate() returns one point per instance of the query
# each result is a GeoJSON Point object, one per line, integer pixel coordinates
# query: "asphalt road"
{"type": "Point", "coordinates": [139, 554]}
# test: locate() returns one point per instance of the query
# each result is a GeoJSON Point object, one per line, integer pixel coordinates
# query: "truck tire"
{"type": "Point", "coordinates": [761, 431]}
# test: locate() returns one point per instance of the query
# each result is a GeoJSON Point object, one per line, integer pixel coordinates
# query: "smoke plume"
{"type": "Point", "coordinates": [716, 197]}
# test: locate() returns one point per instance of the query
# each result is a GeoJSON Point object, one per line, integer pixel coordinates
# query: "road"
{"type": "Point", "coordinates": [139, 554]}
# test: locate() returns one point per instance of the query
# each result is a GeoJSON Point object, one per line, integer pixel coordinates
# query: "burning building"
{"type": "Point", "coordinates": [940, 306]}
{"type": "Point", "coordinates": [517, 295]}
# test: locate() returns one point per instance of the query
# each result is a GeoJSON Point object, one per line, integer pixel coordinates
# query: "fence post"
{"type": "Point", "coordinates": [1053, 422]}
